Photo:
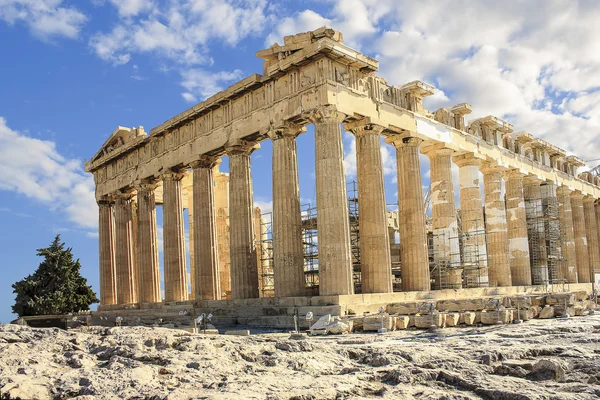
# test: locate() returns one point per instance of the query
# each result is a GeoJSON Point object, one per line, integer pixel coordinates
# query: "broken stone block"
{"type": "Point", "coordinates": [559, 311]}
{"type": "Point", "coordinates": [493, 304]}
{"type": "Point", "coordinates": [403, 308]}
{"type": "Point", "coordinates": [372, 323]}
{"type": "Point", "coordinates": [548, 370]}
{"type": "Point", "coordinates": [546, 312]}
{"type": "Point", "coordinates": [477, 317]}
{"type": "Point", "coordinates": [590, 305]}
{"type": "Point", "coordinates": [580, 295]}
{"type": "Point", "coordinates": [495, 317]}
{"type": "Point", "coordinates": [338, 328]}
{"type": "Point", "coordinates": [579, 310]}
{"type": "Point", "coordinates": [321, 322]}
{"type": "Point", "coordinates": [243, 332]}
{"type": "Point", "coordinates": [402, 321]}
{"type": "Point", "coordinates": [537, 301]}
{"type": "Point", "coordinates": [467, 318]}
{"type": "Point", "coordinates": [452, 319]}
{"type": "Point", "coordinates": [560, 299]}
{"type": "Point", "coordinates": [524, 314]}
{"type": "Point", "coordinates": [521, 301]}
{"type": "Point", "coordinates": [461, 305]}
{"type": "Point", "coordinates": [429, 320]}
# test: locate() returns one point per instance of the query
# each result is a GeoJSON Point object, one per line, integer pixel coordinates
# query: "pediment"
{"type": "Point", "coordinates": [119, 139]}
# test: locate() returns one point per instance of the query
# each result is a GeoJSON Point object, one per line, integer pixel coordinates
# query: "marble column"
{"type": "Point", "coordinates": [472, 223]}
{"type": "Point", "coordinates": [108, 285]}
{"type": "Point", "coordinates": [124, 254]}
{"type": "Point", "coordinates": [207, 284]}
{"type": "Point", "coordinates": [333, 225]}
{"type": "Point", "coordinates": [176, 285]}
{"type": "Point", "coordinates": [518, 243]}
{"type": "Point", "coordinates": [446, 250]}
{"type": "Point", "coordinates": [190, 208]}
{"type": "Point", "coordinates": [288, 251]}
{"type": "Point", "coordinates": [597, 208]}
{"type": "Point", "coordinates": [581, 242]}
{"type": "Point", "coordinates": [221, 195]}
{"type": "Point", "coordinates": [569, 264]}
{"type": "Point", "coordinates": [375, 258]}
{"type": "Point", "coordinates": [591, 229]}
{"type": "Point", "coordinates": [148, 266]}
{"type": "Point", "coordinates": [536, 230]}
{"type": "Point", "coordinates": [413, 234]}
{"type": "Point", "coordinates": [496, 227]}
{"type": "Point", "coordinates": [244, 268]}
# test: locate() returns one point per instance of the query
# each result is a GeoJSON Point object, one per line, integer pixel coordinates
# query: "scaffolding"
{"type": "Point", "coordinates": [352, 189]}
{"type": "Point", "coordinates": [310, 244]}
{"type": "Point", "coordinates": [264, 249]}
{"type": "Point", "coordinates": [545, 238]}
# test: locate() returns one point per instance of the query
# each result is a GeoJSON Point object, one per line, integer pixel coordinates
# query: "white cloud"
{"type": "Point", "coordinates": [130, 8]}
{"type": "Point", "coordinates": [201, 83]}
{"type": "Point", "coordinates": [45, 18]}
{"type": "Point", "coordinates": [304, 21]}
{"type": "Point", "coordinates": [34, 168]}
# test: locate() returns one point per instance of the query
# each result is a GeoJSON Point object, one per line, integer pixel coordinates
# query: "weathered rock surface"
{"type": "Point", "coordinates": [540, 359]}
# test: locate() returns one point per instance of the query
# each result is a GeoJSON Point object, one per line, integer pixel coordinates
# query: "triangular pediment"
{"type": "Point", "coordinates": [120, 138]}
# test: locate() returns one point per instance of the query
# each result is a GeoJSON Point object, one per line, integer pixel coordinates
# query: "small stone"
{"type": "Point", "coordinates": [337, 328]}
{"type": "Point", "coordinates": [548, 369]}
{"type": "Point", "coordinates": [452, 319]}
{"type": "Point", "coordinates": [321, 322]}
{"type": "Point", "coordinates": [164, 371]}
{"type": "Point", "coordinates": [402, 321]}
{"type": "Point", "coordinates": [547, 312]}
{"type": "Point", "coordinates": [467, 318]}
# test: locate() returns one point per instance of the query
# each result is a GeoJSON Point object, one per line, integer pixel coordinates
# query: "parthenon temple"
{"type": "Point", "coordinates": [535, 225]}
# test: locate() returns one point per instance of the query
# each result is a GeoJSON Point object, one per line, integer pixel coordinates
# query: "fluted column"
{"type": "Point", "coordinates": [176, 286]}
{"type": "Point", "coordinates": [569, 264]}
{"type": "Point", "coordinates": [581, 242]}
{"type": "Point", "coordinates": [207, 284]}
{"type": "Point", "coordinates": [221, 195]}
{"type": "Point", "coordinates": [518, 244]}
{"type": "Point", "coordinates": [124, 254]}
{"type": "Point", "coordinates": [446, 251]}
{"type": "Point", "coordinates": [244, 268]}
{"type": "Point", "coordinates": [108, 285]}
{"type": "Point", "coordinates": [333, 225]}
{"type": "Point", "coordinates": [496, 227]}
{"type": "Point", "coordinates": [148, 266]}
{"type": "Point", "coordinates": [472, 223]}
{"type": "Point", "coordinates": [413, 234]}
{"type": "Point", "coordinates": [591, 229]}
{"type": "Point", "coordinates": [190, 208]}
{"type": "Point", "coordinates": [536, 230]}
{"type": "Point", "coordinates": [288, 251]}
{"type": "Point", "coordinates": [375, 258]}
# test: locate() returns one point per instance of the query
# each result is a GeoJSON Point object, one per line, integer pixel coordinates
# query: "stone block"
{"type": "Point", "coordinates": [538, 301]}
{"type": "Point", "coordinates": [338, 328]}
{"type": "Point", "coordinates": [403, 308]}
{"type": "Point", "coordinates": [467, 318]}
{"type": "Point", "coordinates": [590, 305]}
{"type": "Point", "coordinates": [580, 295]}
{"type": "Point", "coordinates": [494, 304]}
{"type": "Point", "coordinates": [452, 319]}
{"type": "Point", "coordinates": [559, 311]}
{"type": "Point", "coordinates": [546, 312]}
{"type": "Point", "coordinates": [374, 322]}
{"type": "Point", "coordinates": [560, 299]}
{"type": "Point", "coordinates": [524, 314]}
{"type": "Point", "coordinates": [402, 321]}
{"type": "Point", "coordinates": [243, 332]}
{"type": "Point", "coordinates": [321, 322]}
{"type": "Point", "coordinates": [521, 301]}
{"type": "Point", "coordinates": [461, 305]}
{"type": "Point", "coordinates": [579, 310]}
{"type": "Point", "coordinates": [428, 320]}
{"type": "Point", "coordinates": [494, 317]}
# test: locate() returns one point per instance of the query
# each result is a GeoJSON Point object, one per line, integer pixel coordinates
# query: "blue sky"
{"type": "Point", "coordinates": [71, 71]}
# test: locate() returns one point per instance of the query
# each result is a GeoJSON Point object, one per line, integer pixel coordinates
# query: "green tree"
{"type": "Point", "coordinates": [56, 287]}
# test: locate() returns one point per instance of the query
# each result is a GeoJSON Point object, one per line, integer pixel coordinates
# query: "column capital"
{"type": "Point", "coordinates": [172, 174]}
{"type": "Point", "coordinates": [577, 194]}
{"type": "Point", "coordinates": [106, 200]}
{"type": "Point", "coordinates": [404, 140]}
{"type": "Point", "coordinates": [588, 199]}
{"type": "Point", "coordinates": [147, 184]}
{"type": "Point", "coordinates": [241, 147]}
{"type": "Point", "coordinates": [563, 190]}
{"type": "Point", "coordinates": [437, 149]}
{"type": "Point", "coordinates": [328, 113]}
{"type": "Point", "coordinates": [490, 167]}
{"type": "Point", "coordinates": [514, 173]}
{"type": "Point", "coordinates": [285, 129]}
{"type": "Point", "coordinates": [205, 161]}
{"type": "Point", "coordinates": [468, 159]}
{"type": "Point", "coordinates": [124, 195]}
{"type": "Point", "coordinates": [532, 180]}
{"type": "Point", "coordinates": [364, 127]}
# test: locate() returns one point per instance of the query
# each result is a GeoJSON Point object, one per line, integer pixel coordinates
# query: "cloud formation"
{"type": "Point", "coordinates": [35, 169]}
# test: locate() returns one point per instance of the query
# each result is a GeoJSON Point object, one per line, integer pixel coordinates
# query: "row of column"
{"type": "Point", "coordinates": [497, 242]}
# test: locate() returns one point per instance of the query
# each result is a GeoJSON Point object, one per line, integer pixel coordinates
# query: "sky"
{"type": "Point", "coordinates": [72, 71]}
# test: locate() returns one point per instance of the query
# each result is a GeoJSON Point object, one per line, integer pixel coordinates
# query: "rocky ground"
{"type": "Point", "coordinates": [541, 359]}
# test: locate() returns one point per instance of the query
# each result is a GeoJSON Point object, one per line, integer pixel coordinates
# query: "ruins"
{"type": "Point", "coordinates": [536, 225]}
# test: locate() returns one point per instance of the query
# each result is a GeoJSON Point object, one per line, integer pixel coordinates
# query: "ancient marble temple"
{"type": "Point", "coordinates": [497, 239]}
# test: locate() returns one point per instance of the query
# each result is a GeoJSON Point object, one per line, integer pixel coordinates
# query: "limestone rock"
{"type": "Point", "coordinates": [467, 318]}
{"type": "Point", "coordinates": [338, 328]}
{"type": "Point", "coordinates": [560, 299]}
{"type": "Point", "coordinates": [494, 317]}
{"type": "Point", "coordinates": [524, 314]}
{"type": "Point", "coordinates": [429, 320]}
{"type": "Point", "coordinates": [25, 389]}
{"type": "Point", "coordinates": [560, 310]}
{"type": "Point", "coordinates": [374, 322]}
{"type": "Point", "coordinates": [548, 369]}
{"type": "Point", "coordinates": [402, 321]}
{"type": "Point", "coordinates": [546, 312]}
{"type": "Point", "coordinates": [452, 319]}
{"type": "Point", "coordinates": [521, 301]}
{"type": "Point", "coordinates": [403, 308]}
{"type": "Point", "coordinates": [580, 295]}
{"type": "Point", "coordinates": [243, 332]}
{"type": "Point", "coordinates": [321, 323]}
{"type": "Point", "coordinates": [461, 305]}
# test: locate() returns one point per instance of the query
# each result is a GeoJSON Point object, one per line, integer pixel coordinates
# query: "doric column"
{"type": "Point", "coordinates": [207, 285]}
{"type": "Point", "coordinates": [596, 270]}
{"type": "Point", "coordinates": [569, 263]}
{"type": "Point", "coordinates": [148, 266]}
{"type": "Point", "coordinates": [124, 254]}
{"type": "Point", "coordinates": [375, 258]}
{"type": "Point", "coordinates": [536, 230]}
{"type": "Point", "coordinates": [190, 208]}
{"type": "Point", "coordinates": [518, 244]}
{"type": "Point", "coordinates": [495, 226]}
{"type": "Point", "coordinates": [244, 269]}
{"type": "Point", "coordinates": [591, 229]}
{"type": "Point", "coordinates": [413, 234]}
{"type": "Point", "coordinates": [288, 251]}
{"type": "Point", "coordinates": [333, 225]}
{"type": "Point", "coordinates": [472, 223]}
{"type": "Point", "coordinates": [221, 192]}
{"type": "Point", "coordinates": [581, 242]}
{"type": "Point", "coordinates": [108, 285]}
{"type": "Point", "coordinates": [446, 250]}
{"type": "Point", "coordinates": [176, 286]}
